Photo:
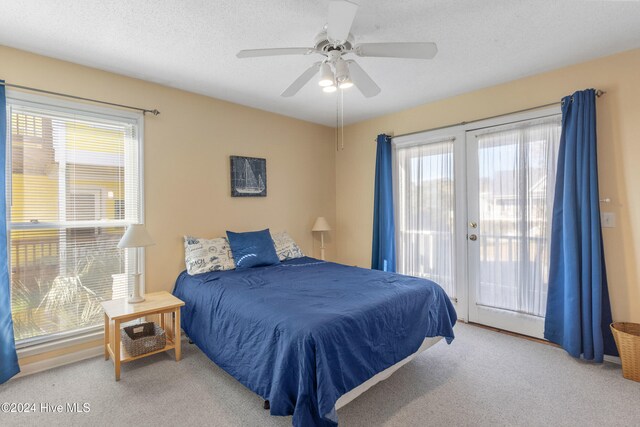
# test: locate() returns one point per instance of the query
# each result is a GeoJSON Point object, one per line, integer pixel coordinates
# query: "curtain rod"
{"type": "Point", "coordinates": [599, 93]}
{"type": "Point", "coordinates": [48, 92]}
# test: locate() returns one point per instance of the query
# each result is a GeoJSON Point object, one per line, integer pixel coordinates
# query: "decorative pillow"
{"type": "Point", "coordinates": [204, 255]}
{"type": "Point", "coordinates": [286, 247]}
{"type": "Point", "coordinates": [252, 249]}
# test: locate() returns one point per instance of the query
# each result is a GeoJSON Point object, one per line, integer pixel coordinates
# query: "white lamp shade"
{"type": "Point", "coordinates": [342, 70]}
{"type": "Point", "coordinates": [321, 224]}
{"type": "Point", "coordinates": [345, 84]}
{"type": "Point", "coordinates": [136, 236]}
{"type": "Point", "coordinates": [326, 75]}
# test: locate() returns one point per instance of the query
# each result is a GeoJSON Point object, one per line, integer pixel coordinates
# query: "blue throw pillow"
{"type": "Point", "coordinates": [252, 249]}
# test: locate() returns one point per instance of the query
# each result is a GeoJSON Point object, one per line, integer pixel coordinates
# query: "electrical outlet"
{"type": "Point", "coordinates": [608, 219]}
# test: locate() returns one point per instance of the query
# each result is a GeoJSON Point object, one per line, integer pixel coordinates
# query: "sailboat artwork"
{"type": "Point", "coordinates": [248, 184]}
{"type": "Point", "coordinates": [248, 177]}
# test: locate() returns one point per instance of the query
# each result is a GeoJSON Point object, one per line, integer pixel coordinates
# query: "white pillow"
{"type": "Point", "coordinates": [204, 255]}
{"type": "Point", "coordinates": [286, 248]}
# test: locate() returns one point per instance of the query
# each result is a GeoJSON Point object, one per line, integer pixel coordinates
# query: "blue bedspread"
{"type": "Point", "coordinates": [304, 332]}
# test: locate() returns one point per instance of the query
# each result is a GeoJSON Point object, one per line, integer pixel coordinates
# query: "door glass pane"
{"type": "Point", "coordinates": [517, 168]}
{"type": "Point", "coordinates": [426, 203]}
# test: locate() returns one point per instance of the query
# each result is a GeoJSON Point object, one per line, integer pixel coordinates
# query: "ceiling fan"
{"type": "Point", "coordinates": [336, 41]}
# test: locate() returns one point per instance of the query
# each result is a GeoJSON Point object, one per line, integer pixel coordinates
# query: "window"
{"type": "Point", "coordinates": [73, 187]}
{"type": "Point", "coordinates": [426, 212]}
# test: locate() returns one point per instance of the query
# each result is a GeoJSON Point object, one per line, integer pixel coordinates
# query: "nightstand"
{"type": "Point", "coordinates": [161, 304]}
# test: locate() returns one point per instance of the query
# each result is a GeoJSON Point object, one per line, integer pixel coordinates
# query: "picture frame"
{"type": "Point", "coordinates": [248, 176]}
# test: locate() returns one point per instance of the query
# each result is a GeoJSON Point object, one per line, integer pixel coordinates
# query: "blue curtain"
{"type": "Point", "coordinates": [383, 256]}
{"type": "Point", "coordinates": [578, 309]}
{"type": "Point", "coordinates": [8, 357]}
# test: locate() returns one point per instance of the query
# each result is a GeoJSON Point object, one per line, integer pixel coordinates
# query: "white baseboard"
{"type": "Point", "coordinates": [64, 359]}
{"type": "Point", "coordinates": [612, 359]}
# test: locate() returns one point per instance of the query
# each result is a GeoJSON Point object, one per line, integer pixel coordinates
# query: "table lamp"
{"type": "Point", "coordinates": [321, 225]}
{"type": "Point", "coordinates": [136, 237]}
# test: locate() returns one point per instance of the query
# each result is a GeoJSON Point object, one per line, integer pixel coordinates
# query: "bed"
{"type": "Point", "coordinates": [309, 335]}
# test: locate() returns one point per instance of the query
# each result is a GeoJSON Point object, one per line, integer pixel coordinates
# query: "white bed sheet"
{"type": "Point", "coordinates": [381, 376]}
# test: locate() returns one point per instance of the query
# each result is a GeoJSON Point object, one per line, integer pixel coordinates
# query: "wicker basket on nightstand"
{"type": "Point", "coordinates": [143, 338]}
{"type": "Point", "coordinates": [627, 336]}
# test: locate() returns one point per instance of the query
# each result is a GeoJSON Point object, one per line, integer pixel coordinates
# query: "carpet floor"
{"type": "Point", "coordinates": [483, 379]}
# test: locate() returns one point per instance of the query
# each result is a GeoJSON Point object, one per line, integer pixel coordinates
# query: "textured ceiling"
{"type": "Point", "coordinates": [192, 44]}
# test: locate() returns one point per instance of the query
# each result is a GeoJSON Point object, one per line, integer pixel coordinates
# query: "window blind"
{"type": "Point", "coordinates": [74, 186]}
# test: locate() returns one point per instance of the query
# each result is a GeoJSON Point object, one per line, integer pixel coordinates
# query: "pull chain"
{"type": "Point", "coordinates": [337, 124]}
{"type": "Point", "coordinates": [340, 121]}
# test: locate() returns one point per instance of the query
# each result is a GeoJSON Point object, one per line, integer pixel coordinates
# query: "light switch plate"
{"type": "Point", "coordinates": [608, 219]}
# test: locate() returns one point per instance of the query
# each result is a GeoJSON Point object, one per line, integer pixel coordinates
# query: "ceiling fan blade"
{"type": "Point", "coordinates": [253, 53]}
{"type": "Point", "coordinates": [362, 81]}
{"type": "Point", "coordinates": [341, 16]}
{"type": "Point", "coordinates": [397, 50]}
{"type": "Point", "coordinates": [302, 80]}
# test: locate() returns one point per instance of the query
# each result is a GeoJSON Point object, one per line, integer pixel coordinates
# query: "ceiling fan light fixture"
{"type": "Point", "coordinates": [326, 75]}
{"type": "Point", "coordinates": [335, 41]}
{"type": "Point", "coordinates": [345, 84]}
{"type": "Point", "coordinates": [342, 70]}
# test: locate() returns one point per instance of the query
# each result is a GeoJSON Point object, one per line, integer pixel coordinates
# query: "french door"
{"type": "Point", "coordinates": [510, 183]}
{"type": "Point", "coordinates": [474, 207]}
{"type": "Point", "coordinates": [429, 193]}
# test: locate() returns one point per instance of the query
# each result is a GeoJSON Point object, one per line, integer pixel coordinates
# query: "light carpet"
{"type": "Point", "coordinates": [484, 378]}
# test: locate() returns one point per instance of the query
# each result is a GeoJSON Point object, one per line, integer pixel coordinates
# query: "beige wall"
{"type": "Point", "coordinates": [619, 154]}
{"type": "Point", "coordinates": [187, 152]}
{"type": "Point", "coordinates": [186, 160]}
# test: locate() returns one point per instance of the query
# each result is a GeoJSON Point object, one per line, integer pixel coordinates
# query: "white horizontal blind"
{"type": "Point", "coordinates": [426, 212]}
{"type": "Point", "coordinates": [74, 178]}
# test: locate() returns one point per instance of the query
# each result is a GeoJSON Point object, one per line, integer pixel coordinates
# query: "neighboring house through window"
{"type": "Point", "coordinates": [74, 185]}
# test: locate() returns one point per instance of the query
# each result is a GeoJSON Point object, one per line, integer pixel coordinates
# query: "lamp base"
{"type": "Point", "coordinates": [322, 245]}
{"type": "Point", "coordinates": [135, 296]}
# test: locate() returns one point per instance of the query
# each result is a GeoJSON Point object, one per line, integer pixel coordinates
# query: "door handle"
{"type": "Point", "coordinates": [473, 237]}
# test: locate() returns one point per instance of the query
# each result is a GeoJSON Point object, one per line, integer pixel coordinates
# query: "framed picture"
{"type": "Point", "coordinates": [248, 177]}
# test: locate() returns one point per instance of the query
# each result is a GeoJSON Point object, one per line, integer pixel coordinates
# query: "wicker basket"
{"type": "Point", "coordinates": [143, 338]}
{"type": "Point", "coordinates": [627, 336]}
